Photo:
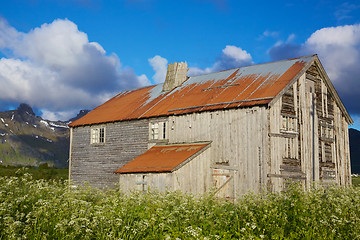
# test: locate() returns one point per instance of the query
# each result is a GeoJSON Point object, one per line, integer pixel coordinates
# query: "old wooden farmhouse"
{"type": "Point", "coordinates": [234, 131]}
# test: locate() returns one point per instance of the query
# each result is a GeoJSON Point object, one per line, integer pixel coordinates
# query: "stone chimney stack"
{"type": "Point", "coordinates": [175, 76]}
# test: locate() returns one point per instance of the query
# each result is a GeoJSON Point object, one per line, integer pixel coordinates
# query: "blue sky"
{"type": "Point", "coordinates": [61, 56]}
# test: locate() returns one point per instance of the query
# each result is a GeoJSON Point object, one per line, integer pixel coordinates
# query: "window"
{"type": "Point", "coordinates": [155, 131]}
{"type": "Point", "coordinates": [158, 130]}
{"type": "Point", "coordinates": [141, 183]}
{"type": "Point", "coordinates": [288, 124]}
{"type": "Point", "coordinates": [98, 135]}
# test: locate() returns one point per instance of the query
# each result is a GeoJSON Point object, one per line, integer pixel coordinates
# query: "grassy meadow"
{"type": "Point", "coordinates": [41, 172]}
{"type": "Point", "coordinates": [48, 209]}
{"type": "Point", "coordinates": [356, 181]}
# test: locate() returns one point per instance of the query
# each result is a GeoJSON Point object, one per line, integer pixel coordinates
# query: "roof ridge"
{"type": "Point", "coordinates": [257, 64]}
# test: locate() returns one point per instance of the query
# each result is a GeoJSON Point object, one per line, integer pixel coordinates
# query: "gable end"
{"type": "Point", "coordinates": [316, 62]}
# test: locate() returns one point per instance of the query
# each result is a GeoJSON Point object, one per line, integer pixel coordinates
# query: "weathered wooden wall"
{"type": "Point", "coordinates": [238, 144]}
{"type": "Point", "coordinates": [193, 177]}
{"type": "Point", "coordinates": [96, 163]}
{"type": "Point", "coordinates": [318, 148]}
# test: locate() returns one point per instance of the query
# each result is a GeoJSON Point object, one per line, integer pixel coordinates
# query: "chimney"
{"type": "Point", "coordinates": [175, 76]}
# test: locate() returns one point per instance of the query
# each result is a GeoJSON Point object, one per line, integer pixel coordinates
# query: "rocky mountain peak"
{"type": "Point", "coordinates": [25, 108]}
{"type": "Point", "coordinates": [79, 115]}
{"type": "Point", "coordinates": [26, 139]}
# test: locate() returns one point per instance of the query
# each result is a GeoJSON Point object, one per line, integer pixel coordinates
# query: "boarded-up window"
{"type": "Point", "coordinates": [327, 132]}
{"type": "Point", "coordinates": [141, 183]}
{"type": "Point", "coordinates": [288, 105]}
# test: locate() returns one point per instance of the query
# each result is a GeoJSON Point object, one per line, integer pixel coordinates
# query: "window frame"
{"type": "Point", "coordinates": [98, 135]}
{"type": "Point", "coordinates": [158, 130]}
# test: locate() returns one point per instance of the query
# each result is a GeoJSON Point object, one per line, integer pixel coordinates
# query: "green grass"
{"type": "Point", "coordinates": [41, 172]}
{"type": "Point", "coordinates": [355, 181]}
{"type": "Point", "coordinates": [9, 155]}
{"type": "Point", "coordinates": [41, 209]}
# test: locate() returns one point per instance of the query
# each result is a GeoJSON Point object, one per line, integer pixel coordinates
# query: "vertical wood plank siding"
{"type": "Point", "coordinates": [194, 177]}
{"type": "Point", "coordinates": [238, 143]}
{"type": "Point", "coordinates": [318, 152]}
{"type": "Point", "coordinates": [95, 164]}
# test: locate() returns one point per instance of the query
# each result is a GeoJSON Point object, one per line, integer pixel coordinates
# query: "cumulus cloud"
{"type": "Point", "coordinates": [159, 64]}
{"type": "Point", "coordinates": [339, 51]}
{"type": "Point", "coordinates": [231, 57]}
{"type": "Point", "coordinates": [57, 69]}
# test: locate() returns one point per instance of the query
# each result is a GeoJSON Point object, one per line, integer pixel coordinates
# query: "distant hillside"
{"type": "Point", "coordinates": [354, 136]}
{"type": "Point", "coordinates": [26, 139]}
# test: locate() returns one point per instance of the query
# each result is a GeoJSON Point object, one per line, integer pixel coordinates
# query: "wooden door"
{"type": "Point", "coordinates": [223, 183]}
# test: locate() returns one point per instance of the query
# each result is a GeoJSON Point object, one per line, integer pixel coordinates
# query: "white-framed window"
{"type": "Point", "coordinates": [289, 124]}
{"type": "Point", "coordinates": [155, 131]}
{"type": "Point", "coordinates": [97, 135]}
{"type": "Point", "coordinates": [158, 130]}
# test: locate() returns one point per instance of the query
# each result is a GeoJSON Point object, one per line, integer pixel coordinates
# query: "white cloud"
{"type": "Point", "coordinates": [54, 116]}
{"type": "Point", "coordinates": [193, 71]}
{"type": "Point", "coordinates": [344, 36]}
{"type": "Point", "coordinates": [237, 54]}
{"type": "Point", "coordinates": [143, 80]}
{"type": "Point", "coordinates": [159, 64]}
{"type": "Point", "coordinates": [231, 57]}
{"type": "Point", "coordinates": [339, 51]}
{"type": "Point", "coordinates": [56, 69]}
{"type": "Point", "coordinates": [272, 34]}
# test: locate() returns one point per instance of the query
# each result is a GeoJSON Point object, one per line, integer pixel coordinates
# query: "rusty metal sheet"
{"type": "Point", "coordinates": [240, 87]}
{"type": "Point", "coordinates": [162, 158]}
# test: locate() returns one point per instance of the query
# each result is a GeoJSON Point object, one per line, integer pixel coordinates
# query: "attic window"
{"type": "Point", "coordinates": [98, 135]}
{"type": "Point", "coordinates": [155, 131]}
{"type": "Point", "coordinates": [158, 130]}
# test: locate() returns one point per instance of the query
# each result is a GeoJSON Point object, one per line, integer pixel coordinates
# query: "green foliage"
{"type": "Point", "coordinates": [355, 181]}
{"type": "Point", "coordinates": [8, 155]}
{"type": "Point", "coordinates": [42, 172]}
{"type": "Point", "coordinates": [40, 209]}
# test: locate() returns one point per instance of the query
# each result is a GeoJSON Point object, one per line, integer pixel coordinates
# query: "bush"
{"type": "Point", "coordinates": [42, 209]}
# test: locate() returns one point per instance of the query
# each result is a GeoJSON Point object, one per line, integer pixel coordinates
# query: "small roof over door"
{"type": "Point", "coordinates": [166, 158]}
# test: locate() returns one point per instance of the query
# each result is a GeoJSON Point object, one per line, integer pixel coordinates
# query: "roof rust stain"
{"type": "Point", "coordinates": [241, 87]}
{"type": "Point", "coordinates": [162, 158]}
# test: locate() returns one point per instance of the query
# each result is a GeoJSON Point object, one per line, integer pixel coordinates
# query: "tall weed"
{"type": "Point", "coordinates": [40, 209]}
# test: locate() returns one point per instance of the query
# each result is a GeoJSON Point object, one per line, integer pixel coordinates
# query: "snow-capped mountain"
{"type": "Point", "coordinates": [26, 139]}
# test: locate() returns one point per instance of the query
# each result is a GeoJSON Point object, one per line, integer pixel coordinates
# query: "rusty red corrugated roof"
{"type": "Point", "coordinates": [162, 158]}
{"type": "Point", "coordinates": [240, 87]}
